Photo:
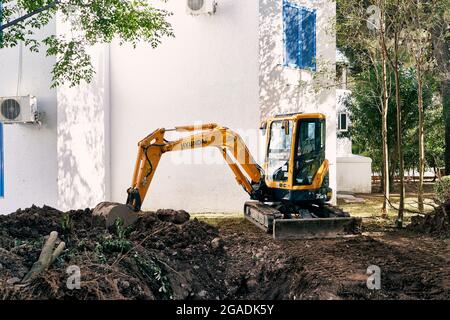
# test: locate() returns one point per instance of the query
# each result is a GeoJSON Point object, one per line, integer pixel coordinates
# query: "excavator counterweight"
{"type": "Point", "coordinates": [290, 192]}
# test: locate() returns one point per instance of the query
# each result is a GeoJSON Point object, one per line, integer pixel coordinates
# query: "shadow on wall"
{"type": "Point", "coordinates": [288, 90]}
{"type": "Point", "coordinates": [82, 165]}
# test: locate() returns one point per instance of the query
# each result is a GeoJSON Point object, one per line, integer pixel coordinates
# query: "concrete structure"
{"type": "Point", "coordinates": [354, 172]}
{"type": "Point", "coordinates": [226, 68]}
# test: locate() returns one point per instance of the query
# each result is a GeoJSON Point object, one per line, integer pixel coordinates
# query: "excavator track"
{"type": "Point", "coordinates": [309, 222]}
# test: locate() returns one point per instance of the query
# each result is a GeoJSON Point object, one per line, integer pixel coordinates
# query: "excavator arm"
{"type": "Point", "coordinates": [233, 149]}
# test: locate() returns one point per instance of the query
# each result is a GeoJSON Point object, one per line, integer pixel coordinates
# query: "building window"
{"type": "Point", "coordinates": [343, 121]}
{"type": "Point", "coordinates": [299, 36]}
{"type": "Point", "coordinates": [2, 180]}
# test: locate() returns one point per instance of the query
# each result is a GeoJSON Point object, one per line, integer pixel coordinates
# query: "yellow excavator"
{"type": "Point", "coordinates": [289, 194]}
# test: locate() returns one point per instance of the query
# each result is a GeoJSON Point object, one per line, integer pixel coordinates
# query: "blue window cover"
{"type": "Point", "coordinates": [299, 36]}
{"type": "Point", "coordinates": [1, 22]}
{"type": "Point", "coordinates": [2, 180]}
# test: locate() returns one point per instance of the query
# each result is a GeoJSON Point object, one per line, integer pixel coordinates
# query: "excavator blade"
{"type": "Point", "coordinates": [291, 229]}
{"type": "Point", "coordinates": [112, 211]}
{"type": "Point", "coordinates": [268, 218]}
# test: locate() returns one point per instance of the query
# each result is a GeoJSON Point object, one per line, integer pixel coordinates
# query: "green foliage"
{"type": "Point", "coordinates": [156, 276]}
{"type": "Point", "coordinates": [117, 242]}
{"type": "Point", "coordinates": [365, 131]}
{"type": "Point", "coordinates": [91, 22]}
{"type": "Point", "coordinates": [415, 23]}
{"type": "Point", "coordinates": [442, 189]}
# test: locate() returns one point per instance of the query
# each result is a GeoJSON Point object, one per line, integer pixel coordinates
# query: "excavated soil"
{"type": "Point", "coordinates": [166, 255]}
{"type": "Point", "coordinates": [436, 223]}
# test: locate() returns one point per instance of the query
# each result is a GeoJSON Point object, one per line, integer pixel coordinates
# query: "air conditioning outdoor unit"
{"type": "Point", "coordinates": [21, 109]}
{"type": "Point", "coordinates": [198, 7]}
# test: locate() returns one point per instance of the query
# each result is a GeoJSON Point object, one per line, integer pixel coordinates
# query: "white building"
{"type": "Point", "coordinates": [234, 67]}
{"type": "Point", "coordinates": [354, 172]}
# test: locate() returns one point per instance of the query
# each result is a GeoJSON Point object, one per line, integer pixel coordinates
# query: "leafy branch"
{"type": "Point", "coordinates": [90, 22]}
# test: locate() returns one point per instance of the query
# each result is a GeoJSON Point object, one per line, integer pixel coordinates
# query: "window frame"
{"type": "Point", "coordinates": [299, 148]}
{"type": "Point", "coordinates": [289, 144]}
{"type": "Point", "coordinates": [340, 114]}
{"type": "Point", "coordinates": [299, 65]}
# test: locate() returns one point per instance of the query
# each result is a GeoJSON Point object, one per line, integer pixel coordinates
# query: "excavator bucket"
{"type": "Point", "coordinates": [111, 211]}
{"type": "Point", "coordinates": [290, 229]}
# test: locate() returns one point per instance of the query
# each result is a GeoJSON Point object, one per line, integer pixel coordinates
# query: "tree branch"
{"type": "Point", "coordinates": [28, 15]}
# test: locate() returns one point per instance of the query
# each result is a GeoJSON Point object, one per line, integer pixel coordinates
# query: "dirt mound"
{"type": "Point", "coordinates": [163, 255]}
{"type": "Point", "coordinates": [260, 268]}
{"type": "Point", "coordinates": [436, 223]}
{"type": "Point", "coordinates": [167, 255]}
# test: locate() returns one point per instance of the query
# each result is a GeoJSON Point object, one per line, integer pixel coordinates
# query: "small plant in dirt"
{"type": "Point", "coordinates": [66, 223]}
{"type": "Point", "coordinates": [116, 241]}
{"type": "Point", "coordinates": [155, 276]}
{"type": "Point", "coordinates": [34, 243]}
{"type": "Point", "coordinates": [442, 189]}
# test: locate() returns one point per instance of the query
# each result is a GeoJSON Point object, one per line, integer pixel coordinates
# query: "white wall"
{"type": "Point", "coordinates": [354, 174]}
{"type": "Point", "coordinates": [208, 73]}
{"type": "Point", "coordinates": [30, 151]}
{"type": "Point", "coordinates": [83, 138]}
{"type": "Point", "coordinates": [83, 134]}
{"type": "Point", "coordinates": [287, 90]}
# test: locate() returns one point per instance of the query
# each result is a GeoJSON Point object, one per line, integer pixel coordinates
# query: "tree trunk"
{"type": "Point", "coordinates": [446, 103]}
{"type": "Point", "coordinates": [421, 140]}
{"type": "Point", "coordinates": [384, 114]}
{"type": "Point", "coordinates": [401, 166]}
{"type": "Point", "coordinates": [384, 134]}
{"type": "Point", "coordinates": [393, 158]}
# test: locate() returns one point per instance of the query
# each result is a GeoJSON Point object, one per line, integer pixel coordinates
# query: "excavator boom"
{"type": "Point", "coordinates": [233, 149]}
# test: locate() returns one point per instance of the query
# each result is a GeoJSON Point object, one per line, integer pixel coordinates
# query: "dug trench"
{"type": "Point", "coordinates": [168, 255]}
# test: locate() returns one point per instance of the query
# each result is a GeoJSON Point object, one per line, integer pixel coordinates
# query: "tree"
{"type": "Point", "coordinates": [91, 22]}
{"type": "Point", "coordinates": [366, 119]}
{"type": "Point", "coordinates": [421, 20]}
{"type": "Point", "coordinates": [361, 29]}
{"type": "Point", "coordinates": [394, 23]}
{"type": "Point", "coordinates": [441, 51]}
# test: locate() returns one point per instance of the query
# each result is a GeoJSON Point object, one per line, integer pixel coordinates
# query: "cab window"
{"type": "Point", "coordinates": [310, 150]}
{"type": "Point", "coordinates": [279, 150]}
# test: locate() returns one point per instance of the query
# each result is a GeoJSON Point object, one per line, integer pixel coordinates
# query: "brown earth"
{"type": "Point", "coordinates": [164, 256]}
{"type": "Point", "coordinates": [435, 223]}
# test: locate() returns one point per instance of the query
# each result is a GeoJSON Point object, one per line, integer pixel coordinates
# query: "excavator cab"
{"type": "Point", "coordinates": [296, 167]}
{"type": "Point", "coordinates": [297, 182]}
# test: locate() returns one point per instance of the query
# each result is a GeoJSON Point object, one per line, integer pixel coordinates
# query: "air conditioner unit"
{"type": "Point", "coordinates": [198, 7]}
{"type": "Point", "coordinates": [18, 109]}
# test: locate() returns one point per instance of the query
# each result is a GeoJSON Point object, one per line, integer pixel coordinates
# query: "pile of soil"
{"type": "Point", "coordinates": [167, 255]}
{"type": "Point", "coordinates": [436, 223]}
{"type": "Point", "coordinates": [411, 267]}
{"type": "Point", "coordinates": [164, 255]}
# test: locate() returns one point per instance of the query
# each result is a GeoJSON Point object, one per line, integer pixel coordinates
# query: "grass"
{"type": "Point", "coordinates": [369, 210]}
{"type": "Point", "coordinates": [215, 218]}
